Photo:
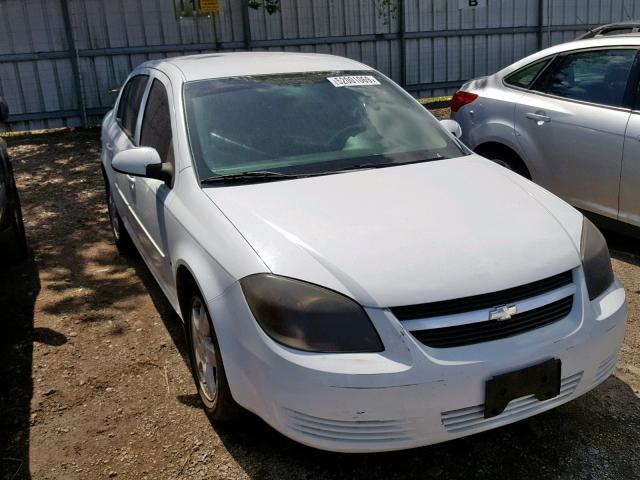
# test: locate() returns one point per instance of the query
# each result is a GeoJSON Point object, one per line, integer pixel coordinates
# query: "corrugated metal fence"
{"type": "Point", "coordinates": [60, 60]}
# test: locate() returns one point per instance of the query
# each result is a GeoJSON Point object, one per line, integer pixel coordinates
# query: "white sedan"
{"type": "Point", "coordinates": [345, 268]}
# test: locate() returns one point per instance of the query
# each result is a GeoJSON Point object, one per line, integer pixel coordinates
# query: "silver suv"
{"type": "Point", "coordinates": [567, 118]}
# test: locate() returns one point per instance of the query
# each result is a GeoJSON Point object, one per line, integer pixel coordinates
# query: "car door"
{"type": "Point", "coordinates": [630, 176]}
{"type": "Point", "coordinates": [571, 126]}
{"type": "Point", "coordinates": [153, 196]}
{"type": "Point", "coordinates": [121, 135]}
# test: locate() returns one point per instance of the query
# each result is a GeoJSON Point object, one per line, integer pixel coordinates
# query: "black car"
{"type": "Point", "coordinates": [13, 243]}
{"type": "Point", "coordinates": [619, 28]}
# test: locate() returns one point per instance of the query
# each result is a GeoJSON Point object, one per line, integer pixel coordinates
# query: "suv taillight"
{"type": "Point", "coordinates": [460, 99]}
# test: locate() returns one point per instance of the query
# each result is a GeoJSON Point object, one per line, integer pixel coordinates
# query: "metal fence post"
{"type": "Point", "coordinates": [403, 47]}
{"type": "Point", "coordinates": [75, 64]}
{"type": "Point", "coordinates": [246, 25]}
{"type": "Point", "coordinates": [540, 22]}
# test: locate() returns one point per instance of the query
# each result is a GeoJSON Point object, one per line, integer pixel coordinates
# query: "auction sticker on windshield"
{"type": "Point", "coordinates": [353, 81]}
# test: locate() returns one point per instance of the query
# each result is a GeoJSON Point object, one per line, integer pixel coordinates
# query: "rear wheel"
{"type": "Point", "coordinates": [120, 235]}
{"type": "Point", "coordinates": [206, 363]}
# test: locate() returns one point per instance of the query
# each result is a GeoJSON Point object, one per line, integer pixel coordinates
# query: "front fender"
{"type": "Point", "coordinates": [211, 279]}
{"type": "Point", "coordinates": [207, 244]}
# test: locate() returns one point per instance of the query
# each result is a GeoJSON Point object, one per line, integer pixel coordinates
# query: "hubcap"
{"type": "Point", "coordinates": [113, 216]}
{"type": "Point", "coordinates": [502, 163]}
{"type": "Point", "coordinates": [204, 350]}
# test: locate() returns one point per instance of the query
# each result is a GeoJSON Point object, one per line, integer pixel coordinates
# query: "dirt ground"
{"type": "Point", "coordinates": [95, 384]}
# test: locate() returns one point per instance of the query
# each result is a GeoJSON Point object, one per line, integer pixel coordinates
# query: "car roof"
{"type": "Point", "coordinates": [624, 40]}
{"type": "Point", "coordinates": [610, 27]}
{"type": "Point", "coordinates": [235, 64]}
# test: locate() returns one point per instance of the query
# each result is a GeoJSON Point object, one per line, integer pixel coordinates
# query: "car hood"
{"type": "Point", "coordinates": [407, 234]}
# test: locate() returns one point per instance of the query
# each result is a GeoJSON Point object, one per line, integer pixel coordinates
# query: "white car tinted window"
{"type": "Point", "coordinates": [129, 105]}
{"type": "Point", "coordinates": [306, 123]}
{"type": "Point", "coordinates": [156, 124]}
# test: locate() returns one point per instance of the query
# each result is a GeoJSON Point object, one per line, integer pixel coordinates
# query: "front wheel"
{"type": "Point", "coordinates": [206, 363]}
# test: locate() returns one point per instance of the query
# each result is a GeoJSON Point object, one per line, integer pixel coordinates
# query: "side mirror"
{"type": "Point", "coordinates": [452, 127]}
{"type": "Point", "coordinates": [4, 110]}
{"type": "Point", "coordinates": [142, 162]}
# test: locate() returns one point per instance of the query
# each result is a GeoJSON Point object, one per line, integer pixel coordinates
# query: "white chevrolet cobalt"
{"type": "Point", "coordinates": [345, 268]}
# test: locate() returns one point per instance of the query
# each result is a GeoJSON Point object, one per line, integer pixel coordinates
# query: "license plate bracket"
{"type": "Point", "coordinates": [541, 380]}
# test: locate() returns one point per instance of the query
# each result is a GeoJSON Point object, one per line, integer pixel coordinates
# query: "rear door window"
{"type": "Point", "coordinates": [129, 105]}
{"type": "Point", "coordinates": [525, 76]}
{"type": "Point", "coordinates": [597, 76]}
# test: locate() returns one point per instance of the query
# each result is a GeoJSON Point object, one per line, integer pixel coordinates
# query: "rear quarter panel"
{"type": "Point", "coordinates": [491, 117]}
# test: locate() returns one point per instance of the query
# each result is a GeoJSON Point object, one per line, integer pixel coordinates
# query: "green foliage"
{"type": "Point", "coordinates": [386, 8]}
{"type": "Point", "coordinates": [271, 6]}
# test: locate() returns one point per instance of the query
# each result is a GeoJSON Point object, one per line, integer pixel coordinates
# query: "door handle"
{"type": "Point", "coordinates": [109, 146]}
{"type": "Point", "coordinates": [539, 117]}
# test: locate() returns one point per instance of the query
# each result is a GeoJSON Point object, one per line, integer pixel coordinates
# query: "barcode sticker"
{"type": "Point", "coordinates": [353, 81]}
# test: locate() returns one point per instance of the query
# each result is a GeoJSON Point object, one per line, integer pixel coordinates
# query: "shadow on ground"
{"type": "Point", "coordinates": [623, 247]}
{"type": "Point", "coordinates": [572, 441]}
{"type": "Point", "coordinates": [64, 216]}
{"type": "Point", "coordinates": [19, 287]}
{"type": "Point", "coordinates": [563, 443]}
{"type": "Point", "coordinates": [596, 436]}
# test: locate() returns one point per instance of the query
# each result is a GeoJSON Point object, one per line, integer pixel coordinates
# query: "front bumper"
{"type": "Point", "coordinates": [409, 395]}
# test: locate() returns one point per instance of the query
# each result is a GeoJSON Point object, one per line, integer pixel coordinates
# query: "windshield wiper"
{"type": "Point", "coordinates": [368, 165]}
{"type": "Point", "coordinates": [248, 177]}
{"type": "Point", "coordinates": [269, 176]}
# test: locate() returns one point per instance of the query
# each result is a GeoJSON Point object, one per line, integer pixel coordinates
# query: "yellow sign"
{"type": "Point", "coordinates": [209, 6]}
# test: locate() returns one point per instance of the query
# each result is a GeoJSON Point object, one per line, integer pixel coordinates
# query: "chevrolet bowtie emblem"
{"type": "Point", "coordinates": [503, 312]}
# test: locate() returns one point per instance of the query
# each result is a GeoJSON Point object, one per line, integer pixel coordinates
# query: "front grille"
{"type": "Point", "coordinates": [479, 302]}
{"type": "Point", "coordinates": [470, 333]}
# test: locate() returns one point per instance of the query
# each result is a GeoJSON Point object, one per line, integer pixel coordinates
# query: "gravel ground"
{"type": "Point", "coordinates": [95, 382]}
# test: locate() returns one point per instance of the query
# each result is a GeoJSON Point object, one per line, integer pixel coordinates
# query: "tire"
{"type": "Point", "coordinates": [120, 235]}
{"type": "Point", "coordinates": [14, 238]}
{"type": "Point", "coordinates": [509, 162]}
{"type": "Point", "coordinates": [207, 366]}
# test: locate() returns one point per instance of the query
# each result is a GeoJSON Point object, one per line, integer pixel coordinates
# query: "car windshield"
{"type": "Point", "coordinates": [308, 123]}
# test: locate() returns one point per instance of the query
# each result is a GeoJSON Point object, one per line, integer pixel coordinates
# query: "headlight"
{"type": "Point", "coordinates": [596, 261]}
{"type": "Point", "coordinates": [308, 317]}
